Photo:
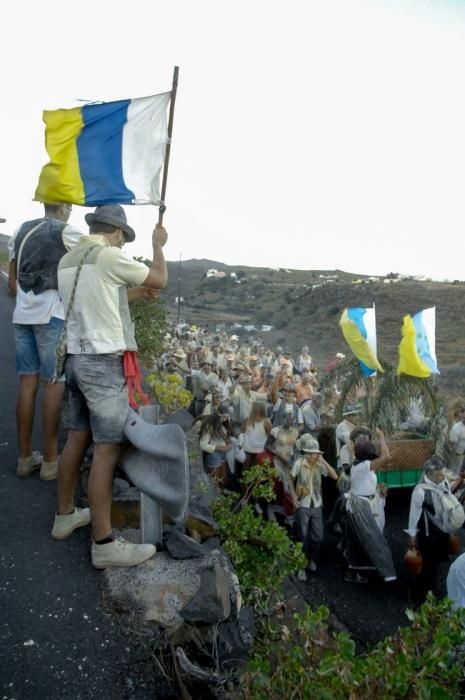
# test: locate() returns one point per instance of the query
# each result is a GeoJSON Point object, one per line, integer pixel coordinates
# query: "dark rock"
{"type": "Point", "coordinates": [181, 546]}
{"type": "Point", "coordinates": [211, 544]}
{"type": "Point", "coordinates": [212, 602]}
{"type": "Point", "coordinates": [199, 518]}
{"type": "Point", "coordinates": [236, 637]}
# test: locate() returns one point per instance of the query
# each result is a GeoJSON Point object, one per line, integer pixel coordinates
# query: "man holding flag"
{"type": "Point", "coordinates": [104, 154]}
{"type": "Point", "coordinates": [96, 280]}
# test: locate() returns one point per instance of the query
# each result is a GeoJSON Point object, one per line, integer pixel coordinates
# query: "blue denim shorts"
{"type": "Point", "coordinates": [97, 396]}
{"type": "Point", "coordinates": [214, 459]}
{"type": "Point", "coordinates": [36, 347]}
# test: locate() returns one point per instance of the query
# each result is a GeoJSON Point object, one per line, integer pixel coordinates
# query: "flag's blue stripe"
{"type": "Point", "coordinates": [100, 154]}
{"type": "Point", "coordinates": [356, 315]}
{"type": "Point", "coordinates": [366, 371]}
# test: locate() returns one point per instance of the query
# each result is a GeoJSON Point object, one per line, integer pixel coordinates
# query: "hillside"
{"type": "Point", "coordinates": [304, 307]}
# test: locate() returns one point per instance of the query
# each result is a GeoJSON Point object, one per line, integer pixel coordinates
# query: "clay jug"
{"type": "Point", "coordinates": [454, 543]}
{"type": "Point", "coordinates": [413, 561]}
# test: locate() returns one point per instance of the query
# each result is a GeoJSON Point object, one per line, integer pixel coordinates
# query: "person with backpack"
{"type": "Point", "coordinates": [35, 249]}
{"type": "Point", "coordinates": [434, 513]}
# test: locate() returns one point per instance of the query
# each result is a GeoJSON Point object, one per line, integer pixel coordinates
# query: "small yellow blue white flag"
{"type": "Point", "coordinates": [417, 354]}
{"type": "Point", "coordinates": [358, 327]}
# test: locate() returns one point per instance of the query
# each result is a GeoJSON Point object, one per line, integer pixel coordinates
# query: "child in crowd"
{"type": "Point", "coordinates": [307, 472]}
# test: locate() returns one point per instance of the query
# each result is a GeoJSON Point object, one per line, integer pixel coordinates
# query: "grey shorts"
{"type": "Point", "coordinates": [97, 396]}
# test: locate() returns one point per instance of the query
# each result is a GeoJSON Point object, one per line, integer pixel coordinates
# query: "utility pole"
{"type": "Point", "coordinates": [179, 289]}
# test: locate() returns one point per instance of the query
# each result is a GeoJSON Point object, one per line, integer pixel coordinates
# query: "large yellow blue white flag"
{"type": "Point", "coordinates": [358, 327]}
{"type": "Point", "coordinates": [417, 353]}
{"type": "Point", "coordinates": [105, 153]}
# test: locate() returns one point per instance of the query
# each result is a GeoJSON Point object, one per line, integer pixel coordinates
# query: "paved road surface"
{"type": "Point", "coordinates": [56, 641]}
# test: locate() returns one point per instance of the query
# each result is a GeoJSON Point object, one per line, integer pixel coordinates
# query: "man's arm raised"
{"type": "Point", "coordinates": [158, 273]}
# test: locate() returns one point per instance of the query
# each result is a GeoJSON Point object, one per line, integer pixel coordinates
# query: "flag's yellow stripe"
{"type": "Point", "coordinates": [358, 344]}
{"type": "Point", "coordinates": [409, 359]}
{"type": "Point", "coordinates": [60, 180]}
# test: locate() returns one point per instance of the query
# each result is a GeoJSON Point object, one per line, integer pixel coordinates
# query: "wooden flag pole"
{"type": "Point", "coordinates": [174, 88]}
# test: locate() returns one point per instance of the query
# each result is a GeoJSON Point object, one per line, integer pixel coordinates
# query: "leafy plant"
{"type": "Point", "coordinates": [385, 396]}
{"type": "Point", "coordinates": [424, 660]}
{"type": "Point", "coordinates": [260, 550]}
{"type": "Point", "coordinates": [150, 325]}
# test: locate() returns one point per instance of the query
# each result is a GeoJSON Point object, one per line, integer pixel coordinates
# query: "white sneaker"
{"type": "Point", "coordinates": [120, 553]}
{"type": "Point", "coordinates": [49, 470]}
{"type": "Point", "coordinates": [301, 575]}
{"type": "Point", "coordinates": [27, 465]}
{"type": "Point", "coordinates": [311, 565]}
{"type": "Point", "coordinates": [64, 525]}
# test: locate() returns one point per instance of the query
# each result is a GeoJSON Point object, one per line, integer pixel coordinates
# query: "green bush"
{"type": "Point", "coordinates": [261, 551]}
{"type": "Point", "coordinates": [423, 661]}
{"type": "Point", "coordinates": [307, 660]}
{"type": "Point", "coordinates": [150, 325]}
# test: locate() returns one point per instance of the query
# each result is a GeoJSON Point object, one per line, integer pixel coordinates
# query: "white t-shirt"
{"type": "Point", "coordinates": [363, 479]}
{"type": "Point", "coordinates": [38, 309]}
{"type": "Point", "coordinates": [99, 321]}
{"type": "Point", "coordinates": [255, 438]}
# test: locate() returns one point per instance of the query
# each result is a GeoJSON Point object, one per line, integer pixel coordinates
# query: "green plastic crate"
{"type": "Point", "coordinates": [402, 478]}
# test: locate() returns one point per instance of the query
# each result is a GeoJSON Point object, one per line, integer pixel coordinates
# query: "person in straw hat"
{"type": "Point", "coordinates": [307, 473]}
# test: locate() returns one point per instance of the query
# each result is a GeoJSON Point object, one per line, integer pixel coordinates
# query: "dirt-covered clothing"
{"type": "Point", "coordinates": [365, 545]}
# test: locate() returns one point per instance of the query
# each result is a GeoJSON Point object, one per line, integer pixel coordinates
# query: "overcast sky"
{"type": "Point", "coordinates": [312, 134]}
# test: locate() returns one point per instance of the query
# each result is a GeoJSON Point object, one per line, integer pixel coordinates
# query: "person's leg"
{"type": "Point", "coordinates": [301, 519]}
{"type": "Point", "coordinates": [28, 369]}
{"type": "Point", "coordinates": [315, 534]}
{"type": "Point", "coordinates": [100, 381]}
{"type": "Point", "coordinates": [51, 409]}
{"type": "Point", "coordinates": [25, 409]}
{"type": "Point", "coordinates": [47, 337]}
{"type": "Point", "coordinates": [69, 469]}
{"type": "Point", "coordinates": [100, 486]}
{"type": "Point", "coordinates": [69, 518]}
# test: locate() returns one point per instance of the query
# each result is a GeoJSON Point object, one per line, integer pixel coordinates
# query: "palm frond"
{"type": "Point", "coordinates": [386, 398]}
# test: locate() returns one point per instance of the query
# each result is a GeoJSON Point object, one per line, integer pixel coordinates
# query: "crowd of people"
{"type": "Point", "coordinates": [250, 404]}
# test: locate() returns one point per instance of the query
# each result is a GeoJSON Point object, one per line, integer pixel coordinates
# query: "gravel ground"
{"type": "Point", "coordinates": [374, 610]}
